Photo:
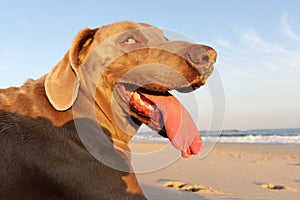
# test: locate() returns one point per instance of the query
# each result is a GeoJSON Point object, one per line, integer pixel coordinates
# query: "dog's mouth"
{"type": "Point", "coordinates": [162, 112]}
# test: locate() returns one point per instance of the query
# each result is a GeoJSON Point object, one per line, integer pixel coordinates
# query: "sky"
{"type": "Point", "coordinates": [258, 45]}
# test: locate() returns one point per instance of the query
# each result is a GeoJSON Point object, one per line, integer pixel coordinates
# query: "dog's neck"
{"type": "Point", "coordinates": [106, 108]}
{"type": "Point", "coordinates": [31, 100]}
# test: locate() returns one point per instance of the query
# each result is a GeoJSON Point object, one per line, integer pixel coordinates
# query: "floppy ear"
{"type": "Point", "coordinates": [62, 83]}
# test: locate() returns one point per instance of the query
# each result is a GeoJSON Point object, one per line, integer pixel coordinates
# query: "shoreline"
{"type": "Point", "coordinates": [218, 143]}
{"type": "Point", "coordinates": [253, 136]}
{"type": "Point", "coordinates": [242, 171]}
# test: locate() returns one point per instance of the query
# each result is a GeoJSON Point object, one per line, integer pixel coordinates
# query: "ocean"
{"type": "Point", "coordinates": [255, 136]}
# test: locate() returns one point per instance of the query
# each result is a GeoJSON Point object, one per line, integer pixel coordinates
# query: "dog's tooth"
{"type": "Point", "coordinates": [141, 102]}
{"type": "Point", "coordinates": [150, 108]}
{"type": "Point", "coordinates": [136, 95]}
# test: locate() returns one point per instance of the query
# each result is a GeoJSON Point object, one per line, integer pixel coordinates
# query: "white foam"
{"type": "Point", "coordinates": [259, 139]}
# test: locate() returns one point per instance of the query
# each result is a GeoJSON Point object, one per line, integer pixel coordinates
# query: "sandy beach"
{"type": "Point", "coordinates": [229, 171]}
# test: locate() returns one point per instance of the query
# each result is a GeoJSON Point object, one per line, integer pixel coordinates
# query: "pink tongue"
{"type": "Point", "coordinates": [179, 125]}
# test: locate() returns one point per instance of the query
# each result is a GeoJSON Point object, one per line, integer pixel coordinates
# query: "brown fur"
{"type": "Point", "coordinates": [54, 95]}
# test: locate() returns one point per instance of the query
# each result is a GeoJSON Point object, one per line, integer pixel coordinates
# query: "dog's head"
{"type": "Point", "coordinates": [132, 67]}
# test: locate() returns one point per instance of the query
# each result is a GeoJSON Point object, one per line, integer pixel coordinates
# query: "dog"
{"type": "Point", "coordinates": [111, 81]}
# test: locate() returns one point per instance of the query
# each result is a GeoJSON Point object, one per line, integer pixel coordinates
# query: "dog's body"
{"type": "Point", "coordinates": [42, 161]}
{"type": "Point", "coordinates": [43, 156]}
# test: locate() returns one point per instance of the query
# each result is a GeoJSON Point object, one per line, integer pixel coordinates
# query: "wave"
{"type": "Point", "coordinates": [254, 132]}
{"type": "Point", "coordinates": [277, 136]}
{"type": "Point", "coordinates": [255, 139]}
{"type": "Point", "coordinates": [259, 139]}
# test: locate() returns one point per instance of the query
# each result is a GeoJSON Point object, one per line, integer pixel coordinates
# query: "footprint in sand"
{"type": "Point", "coordinates": [273, 186]}
{"type": "Point", "coordinates": [191, 188]}
{"type": "Point", "coordinates": [294, 164]}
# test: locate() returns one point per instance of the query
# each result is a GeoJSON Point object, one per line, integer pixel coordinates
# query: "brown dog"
{"type": "Point", "coordinates": [112, 80]}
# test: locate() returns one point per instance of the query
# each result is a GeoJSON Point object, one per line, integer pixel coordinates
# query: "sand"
{"type": "Point", "coordinates": [229, 171]}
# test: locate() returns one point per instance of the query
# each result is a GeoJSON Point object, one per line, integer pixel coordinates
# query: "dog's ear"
{"type": "Point", "coordinates": [62, 83]}
{"type": "Point", "coordinates": [80, 47]}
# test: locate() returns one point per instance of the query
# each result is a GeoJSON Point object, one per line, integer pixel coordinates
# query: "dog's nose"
{"type": "Point", "coordinates": [201, 57]}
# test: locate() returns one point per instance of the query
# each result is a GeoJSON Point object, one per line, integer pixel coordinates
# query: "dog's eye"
{"type": "Point", "coordinates": [130, 40]}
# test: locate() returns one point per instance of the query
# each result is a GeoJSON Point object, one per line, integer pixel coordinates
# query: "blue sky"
{"type": "Point", "coordinates": [258, 43]}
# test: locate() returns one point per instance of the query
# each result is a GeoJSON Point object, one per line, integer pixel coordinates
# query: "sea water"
{"type": "Point", "coordinates": [255, 136]}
